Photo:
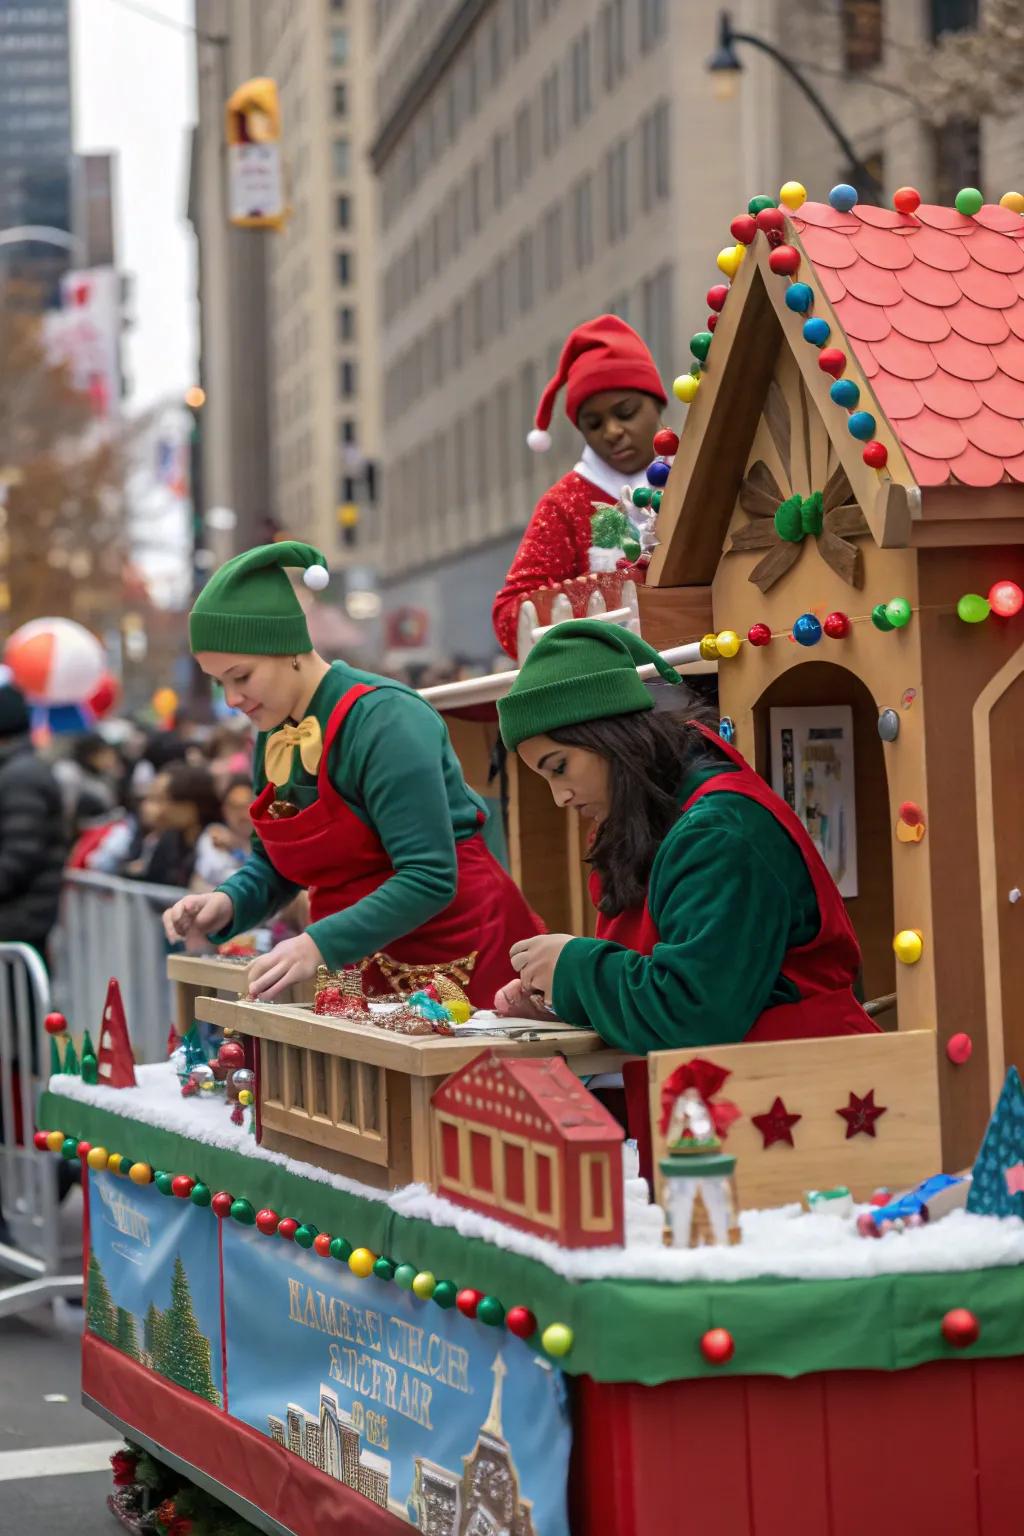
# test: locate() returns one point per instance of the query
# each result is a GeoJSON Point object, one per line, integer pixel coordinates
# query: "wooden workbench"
{"type": "Point", "coordinates": [194, 976]}
{"type": "Point", "coordinates": [359, 1094]}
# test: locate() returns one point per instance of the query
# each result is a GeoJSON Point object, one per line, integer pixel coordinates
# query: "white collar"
{"type": "Point", "coordinates": [607, 479]}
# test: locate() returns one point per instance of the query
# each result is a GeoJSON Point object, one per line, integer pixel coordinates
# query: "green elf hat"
{"type": "Point", "coordinates": [584, 669]}
{"type": "Point", "coordinates": [249, 607]}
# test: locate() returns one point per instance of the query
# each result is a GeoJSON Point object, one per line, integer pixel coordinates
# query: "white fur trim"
{"type": "Point", "coordinates": [538, 440]}
{"type": "Point", "coordinates": [315, 577]}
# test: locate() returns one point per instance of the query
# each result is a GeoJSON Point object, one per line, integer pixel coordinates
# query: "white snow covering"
{"type": "Point", "coordinates": [786, 1243]}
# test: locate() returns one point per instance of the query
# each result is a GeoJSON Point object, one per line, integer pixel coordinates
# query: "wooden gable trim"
{"type": "Point", "coordinates": [953, 503]}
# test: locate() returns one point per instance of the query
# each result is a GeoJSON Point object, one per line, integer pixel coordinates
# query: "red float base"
{"type": "Point", "coordinates": [934, 1449]}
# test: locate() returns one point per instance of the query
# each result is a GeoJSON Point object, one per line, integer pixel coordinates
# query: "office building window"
{"type": "Point", "coordinates": [457, 324]}
{"type": "Point", "coordinates": [654, 153]}
{"type": "Point", "coordinates": [617, 191]}
{"type": "Point", "coordinates": [952, 16]}
{"type": "Point", "coordinates": [476, 316]}
{"type": "Point", "coordinates": [503, 294]}
{"type": "Point", "coordinates": [613, 43]}
{"type": "Point", "coordinates": [656, 320]}
{"type": "Point", "coordinates": [527, 407]}
{"type": "Point", "coordinates": [341, 157]}
{"type": "Point", "coordinates": [346, 323]}
{"type": "Point", "coordinates": [347, 434]}
{"type": "Point", "coordinates": [343, 267]}
{"type": "Point", "coordinates": [652, 23]}
{"type": "Point", "coordinates": [861, 22]}
{"type": "Point", "coordinates": [520, 26]}
{"type": "Point", "coordinates": [524, 272]}
{"type": "Point", "coordinates": [553, 248]}
{"type": "Point", "coordinates": [339, 46]}
{"type": "Point", "coordinates": [347, 379]}
{"type": "Point", "coordinates": [497, 51]}
{"type": "Point", "coordinates": [340, 93]}
{"type": "Point", "coordinates": [619, 305]}
{"type": "Point", "coordinates": [582, 222]}
{"type": "Point", "coordinates": [343, 211]}
{"type": "Point", "coordinates": [957, 158]}
{"type": "Point", "coordinates": [551, 128]}
{"type": "Point", "coordinates": [473, 193]}
{"type": "Point", "coordinates": [499, 167]}
{"type": "Point", "coordinates": [579, 70]}
{"type": "Point", "coordinates": [524, 145]}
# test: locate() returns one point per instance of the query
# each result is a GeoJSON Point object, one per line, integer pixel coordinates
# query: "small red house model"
{"type": "Point", "coordinates": [523, 1141]}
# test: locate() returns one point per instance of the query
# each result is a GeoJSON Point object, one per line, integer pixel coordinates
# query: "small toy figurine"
{"type": "Point", "coordinates": [927, 1201]}
{"type": "Point", "coordinates": [699, 1182]}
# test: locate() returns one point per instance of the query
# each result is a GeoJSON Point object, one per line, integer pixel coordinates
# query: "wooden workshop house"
{"type": "Point", "coordinates": [525, 1142]}
{"type": "Point", "coordinates": [919, 459]}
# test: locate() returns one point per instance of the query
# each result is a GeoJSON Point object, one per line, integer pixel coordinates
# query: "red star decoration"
{"type": "Point", "coordinates": [777, 1124]}
{"type": "Point", "coordinates": [860, 1114]}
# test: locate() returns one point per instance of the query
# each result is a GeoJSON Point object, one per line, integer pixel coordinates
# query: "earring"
{"type": "Point", "coordinates": [295, 663]}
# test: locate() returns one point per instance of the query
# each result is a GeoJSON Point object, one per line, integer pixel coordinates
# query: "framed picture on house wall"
{"type": "Point", "coordinates": [812, 769]}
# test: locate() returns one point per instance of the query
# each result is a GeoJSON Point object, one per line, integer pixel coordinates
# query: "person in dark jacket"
{"type": "Point", "coordinates": [33, 842]}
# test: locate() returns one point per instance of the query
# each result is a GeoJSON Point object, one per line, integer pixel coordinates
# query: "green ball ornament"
{"type": "Point", "coordinates": [631, 550]}
{"type": "Point", "coordinates": [759, 204]}
{"type": "Point", "coordinates": [405, 1274]}
{"type": "Point", "coordinates": [69, 1148]}
{"type": "Point", "coordinates": [969, 201]}
{"type": "Point", "coordinates": [445, 1292]}
{"type": "Point", "coordinates": [304, 1234]}
{"type": "Point", "coordinates": [897, 611]}
{"type": "Point", "coordinates": [973, 608]}
{"type": "Point", "coordinates": [491, 1311]}
{"type": "Point", "coordinates": [384, 1268]}
{"type": "Point", "coordinates": [243, 1213]}
{"type": "Point", "coordinates": [424, 1285]}
{"type": "Point", "coordinates": [201, 1194]}
{"type": "Point", "coordinates": [880, 619]}
{"type": "Point", "coordinates": [340, 1249]}
{"type": "Point", "coordinates": [700, 345]}
{"type": "Point", "coordinates": [656, 500]}
{"type": "Point", "coordinates": [643, 496]}
{"type": "Point", "coordinates": [696, 369]}
{"type": "Point", "coordinates": [163, 1182]}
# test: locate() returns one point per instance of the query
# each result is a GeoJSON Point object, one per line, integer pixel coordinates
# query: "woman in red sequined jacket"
{"type": "Point", "coordinates": [614, 395]}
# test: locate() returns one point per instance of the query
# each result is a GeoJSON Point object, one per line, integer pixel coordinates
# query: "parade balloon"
{"type": "Point", "coordinates": [55, 661]}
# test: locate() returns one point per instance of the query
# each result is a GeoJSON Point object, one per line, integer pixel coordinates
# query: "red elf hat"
{"type": "Point", "coordinates": [604, 353]}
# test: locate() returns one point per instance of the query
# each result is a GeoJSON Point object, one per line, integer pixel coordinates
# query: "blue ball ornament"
{"type": "Point", "coordinates": [817, 331]}
{"type": "Point", "coordinates": [843, 197]}
{"type": "Point", "coordinates": [845, 392]}
{"type": "Point", "coordinates": [862, 424]}
{"type": "Point", "coordinates": [799, 297]}
{"type": "Point", "coordinates": [657, 473]}
{"type": "Point", "coordinates": [807, 630]}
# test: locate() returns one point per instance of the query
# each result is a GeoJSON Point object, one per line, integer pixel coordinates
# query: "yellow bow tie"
{"type": "Point", "coordinates": [277, 755]}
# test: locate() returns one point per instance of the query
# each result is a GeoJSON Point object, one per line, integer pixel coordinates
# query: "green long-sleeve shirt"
{"type": "Point", "coordinates": [394, 766]}
{"type": "Point", "coordinates": [729, 894]}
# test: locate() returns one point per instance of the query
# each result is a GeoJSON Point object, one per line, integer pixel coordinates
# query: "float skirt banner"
{"type": "Point", "coordinates": [154, 1282]}
{"type": "Point", "coordinates": [450, 1424]}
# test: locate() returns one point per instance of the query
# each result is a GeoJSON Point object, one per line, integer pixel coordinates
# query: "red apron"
{"type": "Point", "coordinates": [822, 970]}
{"type": "Point", "coordinates": [340, 860]}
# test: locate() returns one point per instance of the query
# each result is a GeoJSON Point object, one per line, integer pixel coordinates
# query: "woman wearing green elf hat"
{"type": "Point", "coordinates": [359, 799]}
{"type": "Point", "coordinates": [717, 919]}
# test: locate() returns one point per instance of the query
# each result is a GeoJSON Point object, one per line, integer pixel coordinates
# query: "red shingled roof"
{"type": "Point", "coordinates": [933, 305]}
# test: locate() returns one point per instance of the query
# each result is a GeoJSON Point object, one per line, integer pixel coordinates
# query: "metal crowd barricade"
{"type": "Point", "coordinates": [28, 1183]}
{"type": "Point", "coordinates": [111, 927]}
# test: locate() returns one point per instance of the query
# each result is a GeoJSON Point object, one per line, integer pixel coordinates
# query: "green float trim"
{"type": "Point", "coordinates": [624, 1330]}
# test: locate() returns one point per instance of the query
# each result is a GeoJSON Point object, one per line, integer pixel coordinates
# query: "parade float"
{"type": "Point", "coordinates": [386, 1262]}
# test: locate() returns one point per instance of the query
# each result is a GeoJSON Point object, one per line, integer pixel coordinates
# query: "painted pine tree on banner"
{"type": "Point", "coordinates": [126, 1338]}
{"type": "Point", "coordinates": [152, 1334]}
{"type": "Point", "coordinates": [100, 1314]}
{"type": "Point", "coordinates": [183, 1350]}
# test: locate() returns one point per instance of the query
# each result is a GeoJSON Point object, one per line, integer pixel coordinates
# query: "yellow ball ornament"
{"type": "Point", "coordinates": [709, 648]}
{"type": "Point", "coordinates": [97, 1158]}
{"type": "Point", "coordinates": [1012, 200]}
{"type": "Point", "coordinates": [461, 1012]}
{"type": "Point", "coordinates": [793, 194]}
{"type": "Point", "coordinates": [908, 946]}
{"type": "Point", "coordinates": [245, 1097]}
{"type": "Point", "coordinates": [424, 1285]}
{"type": "Point", "coordinates": [686, 386]}
{"type": "Point", "coordinates": [729, 258]}
{"type": "Point", "coordinates": [361, 1262]}
{"type": "Point", "coordinates": [140, 1173]}
{"type": "Point", "coordinates": [557, 1339]}
{"type": "Point", "coordinates": [114, 1162]}
{"type": "Point", "coordinates": [727, 642]}
{"type": "Point", "coordinates": [55, 1140]}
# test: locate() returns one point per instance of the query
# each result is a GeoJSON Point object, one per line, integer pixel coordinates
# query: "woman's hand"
{"type": "Point", "coordinates": [514, 1002]}
{"type": "Point", "coordinates": [535, 960]}
{"type": "Point", "coordinates": [198, 914]}
{"type": "Point", "coordinates": [292, 961]}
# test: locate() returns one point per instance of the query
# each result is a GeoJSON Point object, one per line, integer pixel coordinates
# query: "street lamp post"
{"type": "Point", "coordinates": [725, 65]}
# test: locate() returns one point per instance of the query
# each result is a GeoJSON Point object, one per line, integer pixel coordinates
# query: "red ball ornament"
{"type": "Point", "coordinates": [836, 626]}
{"type": "Point", "coordinates": [84, 1148]}
{"type": "Point", "coordinates": [784, 260]}
{"type": "Point", "coordinates": [771, 219]}
{"type": "Point", "coordinates": [875, 455]}
{"type": "Point", "coordinates": [960, 1327]}
{"type": "Point", "coordinates": [221, 1203]}
{"type": "Point", "coordinates": [711, 322]}
{"type": "Point", "coordinates": [881, 1197]}
{"type": "Point", "coordinates": [743, 228]}
{"type": "Point", "coordinates": [759, 634]}
{"type": "Point", "coordinates": [911, 813]}
{"type": "Point", "coordinates": [715, 298]}
{"type": "Point", "coordinates": [322, 1244]}
{"type": "Point", "coordinates": [959, 1048]}
{"type": "Point", "coordinates": [287, 1228]}
{"type": "Point", "coordinates": [55, 1024]}
{"type": "Point", "coordinates": [717, 1346]}
{"type": "Point", "coordinates": [39, 1141]}
{"type": "Point", "coordinates": [521, 1322]}
{"type": "Point", "coordinates": [666, 443]}
{"type": "Point", "coordinates": [231, 1056]}
{"type": "Point", "coordinates": [906, 200]}
{"type": "Point", "coordinates": [267, 1222]}
{"type": "Point", "coordinates": [831, 360]}
{"type": "Point", "coordinates": [468, 1300]}
{"type": "Point", "coordinates": [182, 1186]}
{"type": "Point", "coordinates": [1005, 598]}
